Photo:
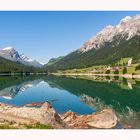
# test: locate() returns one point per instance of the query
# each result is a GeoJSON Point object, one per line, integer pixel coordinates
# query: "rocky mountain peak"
{"type": "Point", "coordinates": [25, 58]}
{"type": "Point", "coordinates": [13, 55]}
{"type": "Point", "coordinates": [8, 48]}
{"type": "Point", "coordinates": [126, 19]}
{"type": "Point", "coordinates": [128, 26]}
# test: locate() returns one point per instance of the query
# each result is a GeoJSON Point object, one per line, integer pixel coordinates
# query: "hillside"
{"type": "Point", "coordinates": [108, 47]}
{"type": "Point", "coordinates": [7, 66]}
{"type": "Point", "coordinates": [54, 60]}
{"type": "Point", "coordinates": [11, 54]}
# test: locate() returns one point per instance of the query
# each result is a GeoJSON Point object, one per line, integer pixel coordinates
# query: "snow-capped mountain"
{"type": "Point", "coordinates": [9, 53]}
{"type": "Point", "coordinates": [108, 46]}
{"type": "Point", "coordinates": [127, 28]}
{"type": "Point", "coordinates": [13, 55]}
{"type": "Point", "coordinates": [28, 61]}
{"type": "Point", "coordinates": [25, 58]}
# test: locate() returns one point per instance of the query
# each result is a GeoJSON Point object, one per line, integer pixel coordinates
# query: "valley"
{"type": "Point", "coordinates": [93, 86]}
{"type": "Point", "coordinates": [112, 46]}
{"type": "Point", "coordinates": [132, 71]}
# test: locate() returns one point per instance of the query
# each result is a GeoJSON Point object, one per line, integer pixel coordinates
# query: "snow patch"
{"type": "Point", "coordinates": [127, 18]}
{"type": "Point", "coordinates": [8, 48]}
{"type": "Point", "coordinates": [128, 26]}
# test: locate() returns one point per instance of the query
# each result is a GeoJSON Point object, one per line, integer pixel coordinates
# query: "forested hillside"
{"type": "Point", "coordinates": [7, 66]}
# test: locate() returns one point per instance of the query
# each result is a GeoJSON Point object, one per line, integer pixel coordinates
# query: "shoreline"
{"type": "Point", "coordinates": [44, 114]}
{"type": "Point", "coordinates": [75, 74]}
{"type": "Point", "coordinates": [21, 74]}
{"type": "Point", "coordinates": [90, 74]}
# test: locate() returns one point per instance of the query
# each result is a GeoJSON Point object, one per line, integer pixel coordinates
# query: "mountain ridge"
{"type": "Point", "coordinates": [11, 54]}
{"type": "Point", "coordinates": [7, 67]}
{"type": "Point", "coordinates": [128, 26]}
{"type": "Point", "coordinates": [106, 47]}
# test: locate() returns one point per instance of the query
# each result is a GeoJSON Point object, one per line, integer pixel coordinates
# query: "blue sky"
{"type": "Point", "coordinates": [43, 35]}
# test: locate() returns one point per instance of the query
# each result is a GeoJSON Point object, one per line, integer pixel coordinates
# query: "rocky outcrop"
{"type": "Point", "coordinates": [43, 113]}
{"type": "Point", "coordinates": [31, 115]}
{"type": "Point", "coordinates": [104, 119]}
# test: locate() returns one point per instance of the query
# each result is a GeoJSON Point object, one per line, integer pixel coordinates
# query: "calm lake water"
{"type": "Point", "coordinates": [83, 95]}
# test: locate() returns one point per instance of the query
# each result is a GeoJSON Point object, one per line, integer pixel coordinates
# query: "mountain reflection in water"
{"type": "Point", "coordinates": [83, 95]}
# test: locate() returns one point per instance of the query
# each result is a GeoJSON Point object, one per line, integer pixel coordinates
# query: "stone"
{"type": "Point", "coordinates": [104, 119]}
{"type": "Point", "coordinates": [69, 116]}
{"type": "Point", "coordinates": [47, 115]}
{"type": "Point", "coordinates": [31, 115]}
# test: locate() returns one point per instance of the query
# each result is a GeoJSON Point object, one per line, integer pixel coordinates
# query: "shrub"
{"type": "Point", "coordinates": [107, 77]}
{"type": "Point", "coordinates": [107, 72]}
{"type": "Point", "coordinates": [124, 70]}
{"type": "Point", "coordinates": [116, 77]}
{"type": "Point", "coordinates": [116, 72]}
{"type": "Point", "coordinates": [137, 67]}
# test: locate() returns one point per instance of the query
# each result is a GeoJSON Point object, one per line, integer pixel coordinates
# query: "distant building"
{"type": "Point", "coordinates": [130, 62]}
{"type": "Point", "coordinates": [109, 68]}
{"type": "Point", "coordinates": [115, 68]}
{"type": "Point", "coordinates": [94, 70]}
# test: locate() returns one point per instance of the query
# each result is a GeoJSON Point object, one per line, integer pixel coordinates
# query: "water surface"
{"type": "Point", "coordinates": [83, 95]}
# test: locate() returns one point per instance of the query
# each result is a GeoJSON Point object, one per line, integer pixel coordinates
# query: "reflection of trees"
{"type": "Point", "coordinates": [124, 81]}
{"type": "Point", "coordinates": [11, 86]}
{"type": "Point", "coordinates": [110, 93]}
{"type": "Point", "coordinates": [116, 77]}
{"type": "Point", "coordinates": [125, 116]}
{"type": "Point", "coordinates": [107, 77]}
{"type": "Point", "coordinates": [100, 94]}
{"type": "Point", "coordinates": [96, 92]}
{"type": "Point", "coordinates": [7, 81]}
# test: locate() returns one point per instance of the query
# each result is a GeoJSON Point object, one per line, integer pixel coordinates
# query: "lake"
{"type": "Point", "coordinates": [83, 94]}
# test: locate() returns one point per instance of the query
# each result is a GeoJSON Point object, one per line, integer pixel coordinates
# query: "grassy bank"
{"type": "Point", "coordinates": [35, 126]}
{"type": "Point", "coordinates": [103, 70]}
